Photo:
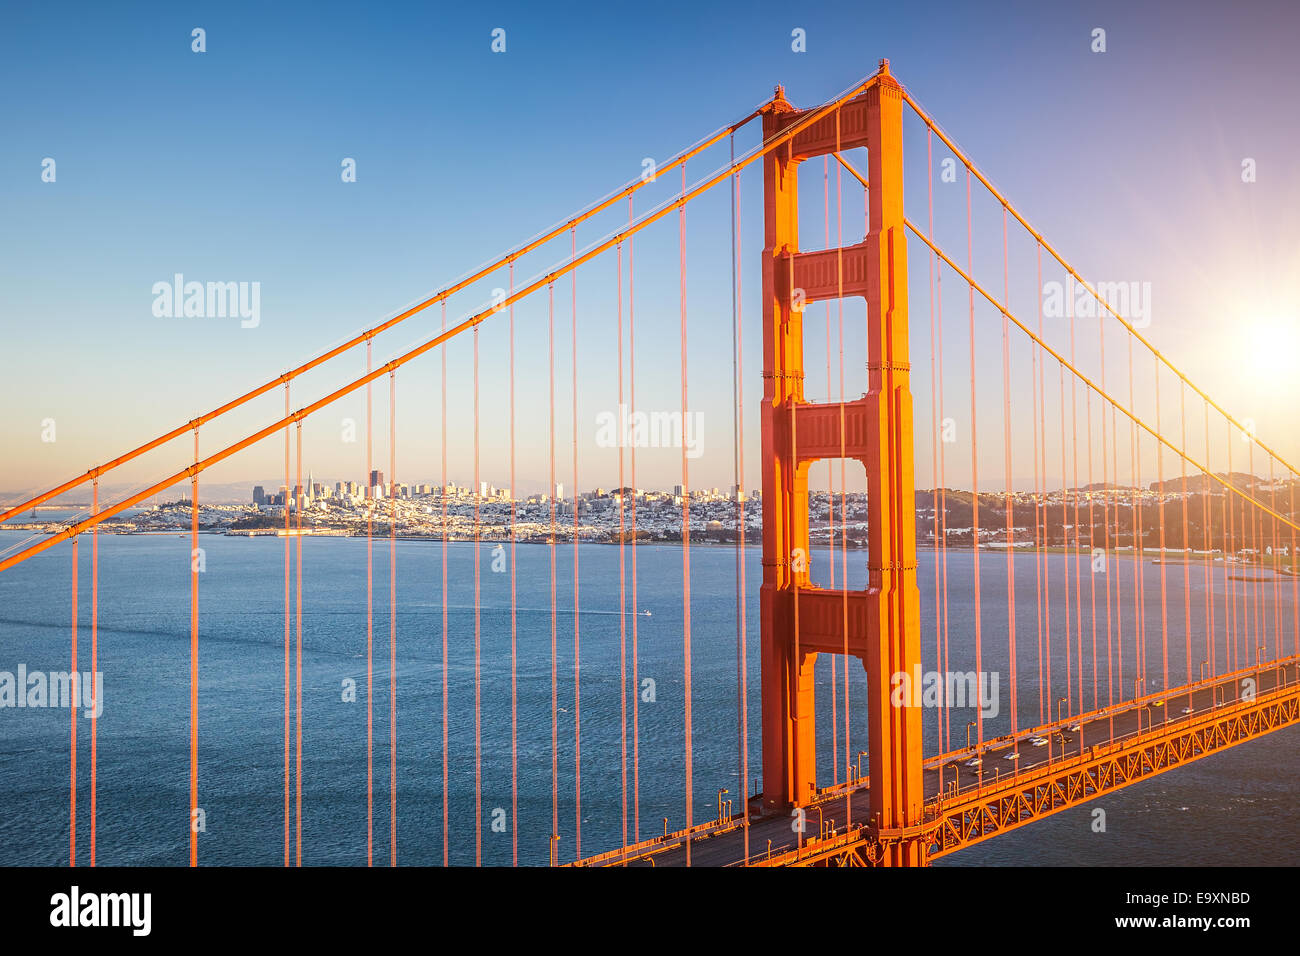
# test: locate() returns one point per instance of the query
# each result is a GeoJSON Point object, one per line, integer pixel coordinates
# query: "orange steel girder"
{"type": "Point", "coordinates": [881, 625]}
{"type": "Point", "coordinates": [1016, 801]}
{"type": "Point", "coordinates": [1105, 768]}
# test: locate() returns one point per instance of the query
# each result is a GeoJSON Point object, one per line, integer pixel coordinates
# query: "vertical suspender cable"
{"type": "Point", "coordinates": [1160, 503]}
{"type": "Point", "coordinates": [1074, 496]}
{"type": "Point", "coordinates": [622, 566]}
{"type": "Point", "coordinates": [370, 619]}
{"type": "Point", "coordinates": [830, 484]}
{"type": "Point", "coordinates": [94, 666]}
{"type": "Point", "coordinates": [738, 468]}
{"type": "Point", "coordinates": [1006, 447]}
{"type": "Point", "coordinates": [844, 541]}
{"type": "Point", "coordinates": [974, 470]}
{"type": "Point", "coordinates": [392, 620]}
{"type": "Point", "coordinates": [686, 525]}
{"type": "Point", "coordinates": [194, 660]}
{"type": "Point", "coordinates": [1042, 506]}
{"type": "Point", "coordinates": [1186, 544]}
{"type": "Point", "coordinates": [1107, 495]}
{"type": "Point", "coordinates": [934, 427]}
{"type": "Point", "coordinates": [577, 647]}
{"type": "Point", "coordinates": [287, 627]}
{"type": "Point", "coordinates": [299, 499]}
{"type": "Point", "coordinates": [72, 709]}
{"type": "Point", "coordinates": [553, 493]}
{"type": "Point", "coordinates": [446, 847]}
{"type": "Point", "coordinates": [478, 633]}
{"type": "Point", "coordinates": [514, 615]}
{"type": "Point", "coordinates": [631, 399]}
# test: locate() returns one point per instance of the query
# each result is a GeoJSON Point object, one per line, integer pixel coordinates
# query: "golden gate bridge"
{"type": "Point", "coordinates": [1141, 693]}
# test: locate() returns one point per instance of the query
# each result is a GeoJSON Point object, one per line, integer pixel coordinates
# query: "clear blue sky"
{"type": "Point", "coordinates": [225, 166]}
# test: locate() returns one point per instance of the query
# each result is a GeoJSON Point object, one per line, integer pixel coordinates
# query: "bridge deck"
{"type": "Point", "coordinates": [840, 815]}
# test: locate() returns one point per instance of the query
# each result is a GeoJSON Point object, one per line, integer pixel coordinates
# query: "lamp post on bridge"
{"type": "Point", "coordinates": [1136, 684]}
{"type": "Point", "coordinates": [1059, 733]}
{"type": "Point", "coordinates": [720, 794]}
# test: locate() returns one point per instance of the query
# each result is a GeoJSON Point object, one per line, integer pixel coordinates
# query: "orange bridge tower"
{"type": "Point", "coordinates": [880, 625]}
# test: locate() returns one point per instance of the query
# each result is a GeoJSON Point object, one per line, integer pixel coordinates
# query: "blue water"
{"type": "Point", "coordinates": [1231, 808]}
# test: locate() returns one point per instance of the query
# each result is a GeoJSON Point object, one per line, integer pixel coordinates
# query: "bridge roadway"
{"type": "Point", "coordinates": [722, 842]}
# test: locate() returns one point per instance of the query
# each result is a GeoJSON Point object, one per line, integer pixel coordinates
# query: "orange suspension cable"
{"type": "Point", "coordinates": [1136, 421]}
{"type": "Point", "coordinates": [930, 124]}
{"type": "Point", "coordinates": [472, 321]}
{"type": "Point", "coordinates": [441, 297]}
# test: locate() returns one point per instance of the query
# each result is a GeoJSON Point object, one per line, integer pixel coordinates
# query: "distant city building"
{"type": "Point", "coordinates": [259, 495]}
